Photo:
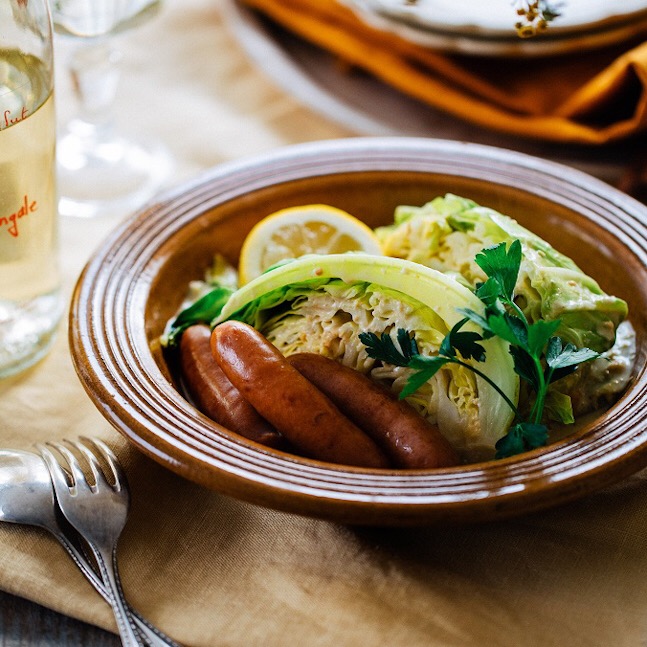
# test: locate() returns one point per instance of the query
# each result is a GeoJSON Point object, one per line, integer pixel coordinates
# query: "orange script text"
{"type": "Point", "coordinates": [11, 222]}
{"type": "Point", "coordinates": [9, 119]}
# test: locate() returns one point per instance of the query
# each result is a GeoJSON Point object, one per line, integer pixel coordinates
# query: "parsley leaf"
{"type": "Point", "coordinates": [490, 293]}
{"type": "Point", "coordinates": [426, 368]}
{"type": "Point", "coordinates": [501, 266]}
{"type": "Point", "coordinates": [382, 348]}
{"type": "Point", "coordinates": [479, 320]}
{"type": "Point", "coordinates": [522, 437]}
{"type": "Point", "coordinates": [563, 359]}
{"type": "Point", "coordinates": [524, 366]}
{"type": "Point", "coordinates": [509, 328]}
{"type": "Point", "coordinates": [540, 333]}
{"type": "Point", "coordinates": [407, 343]}
{"type": "Point", "coordinates": [465, 342]}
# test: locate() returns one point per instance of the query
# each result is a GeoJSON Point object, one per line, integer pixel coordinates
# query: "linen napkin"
{"type": "Point", "coordinates": [591, 97]}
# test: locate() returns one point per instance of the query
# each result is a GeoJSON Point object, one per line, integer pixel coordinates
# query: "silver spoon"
{"type": "Point", "coordinates": [27, 497]}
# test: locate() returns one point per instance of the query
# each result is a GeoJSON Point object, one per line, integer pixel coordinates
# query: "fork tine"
{"type": "Point", "coordinates": [111, 460]}
{"type": "Point", "coordinates": [78, 477]}
{"type": "Point", "coordinates": [95, 467]}
{"type": "Point", "coordinates": [58, 474]}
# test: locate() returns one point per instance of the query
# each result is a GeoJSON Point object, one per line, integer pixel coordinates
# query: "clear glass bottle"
{"type": "Point", "coordinates": [30, 298]}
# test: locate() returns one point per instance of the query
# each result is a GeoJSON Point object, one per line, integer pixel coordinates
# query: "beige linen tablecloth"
{"type": "Point", "coordinates": [212, 571]}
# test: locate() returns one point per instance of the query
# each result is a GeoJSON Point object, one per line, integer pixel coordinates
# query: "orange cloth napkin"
{"type": "Point", "coordinates": [593, 97]}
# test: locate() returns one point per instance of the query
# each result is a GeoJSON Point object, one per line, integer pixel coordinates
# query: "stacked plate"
{"type": "Point", "coordinates": [487, 28]}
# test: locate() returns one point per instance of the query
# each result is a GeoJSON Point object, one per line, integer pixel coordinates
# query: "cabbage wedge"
{"type": "Point", "coordinates": [447, 233]}
{"type": "Point", "coordinates": [320, 304]}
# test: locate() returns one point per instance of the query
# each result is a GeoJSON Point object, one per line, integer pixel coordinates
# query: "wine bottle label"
{"type": "Point", "coordinates": [28, 204]}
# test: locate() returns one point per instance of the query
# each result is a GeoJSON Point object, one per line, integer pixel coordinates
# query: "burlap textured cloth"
{"type": "Point", "coordinates": [215, 572]}
{"type": "Point", "coordinates": [592, 98]}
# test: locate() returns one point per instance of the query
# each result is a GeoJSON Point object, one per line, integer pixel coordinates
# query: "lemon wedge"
{"type": "Point", "coordinates": [295, 231]}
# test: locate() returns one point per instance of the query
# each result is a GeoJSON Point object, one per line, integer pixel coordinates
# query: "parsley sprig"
{"type": "Point", "coordinates": [540, 357]}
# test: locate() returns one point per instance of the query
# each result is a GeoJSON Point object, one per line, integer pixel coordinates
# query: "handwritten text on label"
{"type": "Point", "coordinates": [11, 222]}
{"type": "Point", "coordinates": [10, 118]}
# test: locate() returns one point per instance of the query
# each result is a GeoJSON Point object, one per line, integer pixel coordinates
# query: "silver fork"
{"type": "Point", "coordinates": [27, 497]}
{"type": "Point", "coordinates": [97, 511]}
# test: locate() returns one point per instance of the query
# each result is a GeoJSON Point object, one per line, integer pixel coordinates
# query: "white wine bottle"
{"type": "Point", "coordinates": [30, 299]}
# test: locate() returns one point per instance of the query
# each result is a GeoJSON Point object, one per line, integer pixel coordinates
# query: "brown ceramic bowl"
{"type": "Point", "coordinates": [136, 281]}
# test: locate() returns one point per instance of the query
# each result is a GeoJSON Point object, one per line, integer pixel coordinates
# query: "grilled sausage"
{"type": "Point", "coordinates": [406, 437]}
{"type": "Point", "coordinates": [296, 408]}
{"type": "Point", "coordinates": [215, 395]}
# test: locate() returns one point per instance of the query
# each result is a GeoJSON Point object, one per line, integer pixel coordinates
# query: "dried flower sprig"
{"type": "Point", "coordinates": [534, 16]}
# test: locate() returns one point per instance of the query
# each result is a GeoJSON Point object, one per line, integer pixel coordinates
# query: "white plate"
{"type": "Point", "coordinates": [484, 33]}
{"type": "Point", "coordinates": [497, 17]}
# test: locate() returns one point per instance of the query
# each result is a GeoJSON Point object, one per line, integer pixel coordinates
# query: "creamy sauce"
{"type": "Point", "coordinates": [607, 376]}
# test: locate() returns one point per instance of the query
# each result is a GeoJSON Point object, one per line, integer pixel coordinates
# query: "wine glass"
{"type": "Point", "coordinates": [101, 171]}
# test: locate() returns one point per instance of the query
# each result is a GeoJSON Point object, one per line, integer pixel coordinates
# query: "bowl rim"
{"type": "Point", "coordinates": [141, 404]}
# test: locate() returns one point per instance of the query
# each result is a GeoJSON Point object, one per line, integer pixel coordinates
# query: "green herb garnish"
{"type": "Point", "coordinates": [202, 311]}
{"type": "Point", "coordinates": [540, 357]}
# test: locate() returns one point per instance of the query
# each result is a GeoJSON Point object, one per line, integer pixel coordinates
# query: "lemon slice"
{"type": "Point", "coordinates": [308, 229]}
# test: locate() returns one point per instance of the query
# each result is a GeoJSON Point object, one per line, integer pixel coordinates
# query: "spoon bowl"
{"type": "Point", "coordinates": [26, 491]}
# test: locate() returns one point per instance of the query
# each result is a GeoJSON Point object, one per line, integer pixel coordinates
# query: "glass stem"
{"type": "Point", "coordinates": [95, 71]}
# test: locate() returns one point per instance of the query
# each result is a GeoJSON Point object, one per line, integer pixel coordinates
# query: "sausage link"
{"type": "Point", "coordinates": [296, 408]}
{"type": "Point", "coordinates": [407, 438]}
{"type": "Point", "coordinates": [215, 395]}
